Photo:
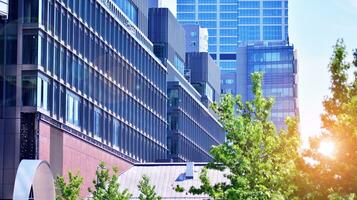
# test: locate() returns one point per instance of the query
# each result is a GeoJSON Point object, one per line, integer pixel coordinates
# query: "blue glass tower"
{"type": "Point", "coordinates": [263, 46]}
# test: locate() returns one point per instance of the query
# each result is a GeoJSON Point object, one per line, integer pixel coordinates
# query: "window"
{"type": "Point", "coordinates": [72, 109]}
{"type": "Point", "coordinates": [185, 8]}
{"type": "Point", "coordinates": [207, 8]}
{"type": "Point", "coordinates": [10, 88]}
{"type": "Point", "coordinates": [209, 92]}
{"type": "Point", "coordinates": [230, 8]}
{"type": "Point", "coordinates": [43, 94]}
{"type": "Point", "coordinates": [248, 33]}
{"type": "Point", "coordinates": [55, 99]}
{"type": "Point", "coordinates": [272, 32]}
{"type": "Point", "coordinates": [30, 47]}
{"type": "Point", "coordinates": [230, 16]}
{"type": "Point", "coordinates": [44, 13]}
{"type": "Point", "coordinates": [272, 4]}
{"type": "Point", "coordinates": [272, 12]}
{"type": "Point", "coordinates": [249, 20]}
{"type": "Point", "coordinates": [31, 11]}
{"type": "Point", "coordinates": [115, 133]}
{"type": "Point", "coordinates": [129, 9]}
{"type": "Point", "coordinates": [178, 63]}
{"type": "Point", "coordinates": [97, 123]}
{"type": "Point", "coordinates": [228, 24]}
{"type": "Point", "coordinates": [186, 16]}
{"type": "Point", "coordinates": [248, 4]}
{"type": "Point", "coordinates": [227, 32]}
{"type": "Point", "coordinates": [208, 24]}
{"type": "Point", "coordinates": [57, 19]}
{"type": "Point", "coordinates": [49, 55]}
{"type": "Point", "coordinates": [271, 20]}
{"type": "Point", "coordinates": [29, 90]}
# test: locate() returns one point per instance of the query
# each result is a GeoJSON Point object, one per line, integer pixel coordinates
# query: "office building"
{"type": "Point", "coordinates": [80, 85]}
{"type": "Point", "coordinates": [196, 38]}
{"type": "Point", "coordinates": [220, 18]}
{"type": "Point", "coordinates": [263, 45]}
{"type": "Point", "coordinates": [263, 20]}
{"type": "Point", "coordinates": [279, 65]}
{"type": "Point", "coordinates": [260, 23]}
{"type": "Point", "coordinates": [168, 37]}
{"type": "Point", "coordinates": [192, 128]}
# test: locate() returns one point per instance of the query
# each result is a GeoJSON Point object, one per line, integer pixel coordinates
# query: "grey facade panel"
{"type": "Point", "coordinates": [203, 69]}
{"type": "Point", "coordinates": [165, 30]}
{"type": "Point", "coordinates": [143, 8]}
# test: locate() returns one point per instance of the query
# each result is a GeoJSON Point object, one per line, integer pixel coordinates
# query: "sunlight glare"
{"type": "Point", "coordinates": [327, 148]}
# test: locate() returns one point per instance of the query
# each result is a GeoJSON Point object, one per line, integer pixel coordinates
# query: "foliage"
{"type": "Point", "coordinates": [70, 190]}
{"type": "Point", "coordinates": [147, 192]}
{"type": "Point", "coordinates": [106, 187]}
{"type": "Point", "coordinates": [178, 188]}
{"type": "Point", "coordinates": [258, 162]}
{"type": "Point", "coordinates": [336, 177]}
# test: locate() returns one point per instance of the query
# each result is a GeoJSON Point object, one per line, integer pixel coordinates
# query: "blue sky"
{"type": "Point", "coordinates": [314, 27]}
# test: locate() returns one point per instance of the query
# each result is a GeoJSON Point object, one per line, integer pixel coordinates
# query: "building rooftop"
{"type": "Point", "coordinates": [166, 176]}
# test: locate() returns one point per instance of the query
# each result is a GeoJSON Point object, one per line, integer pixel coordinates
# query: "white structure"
{"type": "Point", "coordinates": [196, 38]}
{"type": "Point", "coordinates": [167, 176]}
{"type": "Point", "coordinates": [35, 174]}
{"type": "Point", "coordinates": [170, 4]}
{"type": "Point", "coordinates": [4, 8]}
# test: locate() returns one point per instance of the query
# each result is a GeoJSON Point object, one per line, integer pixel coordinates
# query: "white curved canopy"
{"type": "Point", "coordinates": [36, 174]}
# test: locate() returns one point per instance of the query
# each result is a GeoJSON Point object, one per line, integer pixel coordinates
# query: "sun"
{"type": "Point", "coordinates": [327, 148]}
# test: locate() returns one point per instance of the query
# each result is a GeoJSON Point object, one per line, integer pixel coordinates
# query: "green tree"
{"type": "Point", "coordinates": [70, 190]}
{"type": "Point", "coordinates": [259, 162]}
{"type": "Point", "coordinates": [336, 177]}
{"type": "Point", "coordinates": [106, 186]}
{"type": "Point", "coordinates": [147, 192]}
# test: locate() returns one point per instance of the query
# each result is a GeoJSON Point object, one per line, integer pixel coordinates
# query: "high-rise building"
{"type": "Point", "coordinates": [79, 84]}
{"type": "Point", "coordinates": [193, 130]}
{"type": "Point", "coordinates": [259, 26]}
{"type": "Point", "coordinates": [279, 65]}
{"type": "Point", "coordinates": [262, 20]}
{"type": "Point", "coordinates": [263, 46]}
{"type": "Point", "coordinates": [220, 18]}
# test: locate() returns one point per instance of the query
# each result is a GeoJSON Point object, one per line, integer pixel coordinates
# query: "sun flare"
{"type": "Point", "coordinates": [327, 148]}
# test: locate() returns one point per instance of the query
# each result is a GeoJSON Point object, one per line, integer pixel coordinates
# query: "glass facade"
{"type": "Point", "coordinates": [262, 20]}
{"type": "Point", "coordinates": [192, 130]}
{"type": "Point", "coordinates": [87, 71]}
{"type": "Point", "coordinates": [279, 67]}
{"type": "Point", "coordinates": [220, 17]}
